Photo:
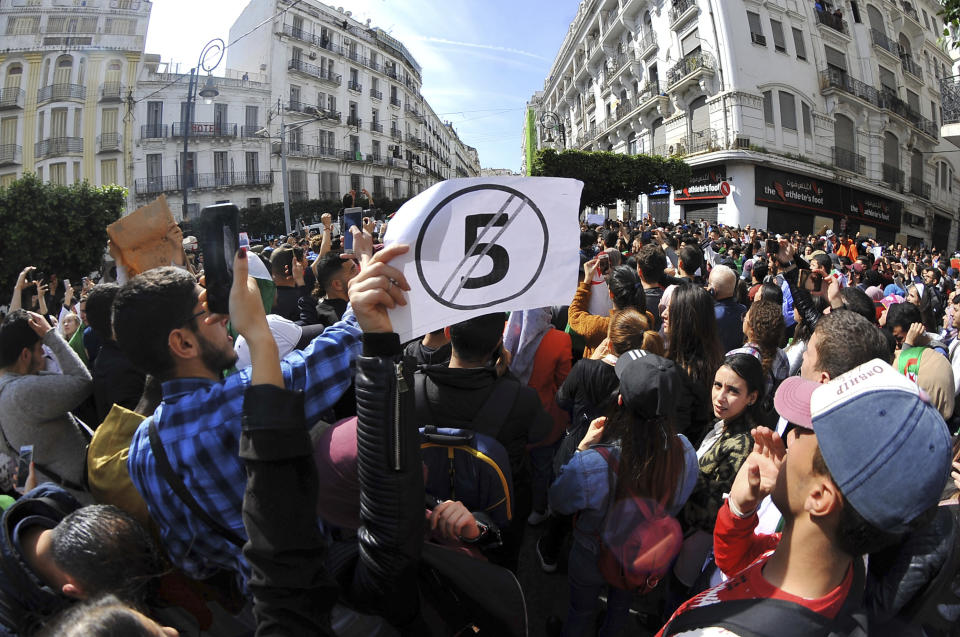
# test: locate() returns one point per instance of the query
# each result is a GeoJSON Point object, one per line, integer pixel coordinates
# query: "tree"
{"type": "Point", "coordinates": [59, 229]}
{"type": "Point", "coordinates": [951, 16]}
{"type": "Point", "coordinates": [608, 176]}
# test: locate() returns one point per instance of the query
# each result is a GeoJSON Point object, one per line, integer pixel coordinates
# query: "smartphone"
{"type": "Point", "coordinates": [219, 242]}
{"type": "Point", "coordinates": [66, 282]}
{"type": "Point", "coordinates": [351, 217]}
{"type": "Point", "coordinates": [815, 277]}
{"type": "Point", "coordinates": [603, 263]}
{"type": "Point", "coordinates": [244, 242]}
{"type": "Point", "coordinates": [23, 465]}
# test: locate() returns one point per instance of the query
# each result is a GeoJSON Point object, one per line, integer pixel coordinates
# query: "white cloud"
{"type": "Point", "coordinates": [489, 47]}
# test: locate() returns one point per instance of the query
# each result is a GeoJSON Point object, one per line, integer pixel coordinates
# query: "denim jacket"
{"type": "Point", "coordinates": [584, 484]}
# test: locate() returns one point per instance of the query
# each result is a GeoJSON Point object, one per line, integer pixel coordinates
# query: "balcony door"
{"type": "Point", "coordinates": [154, 172]}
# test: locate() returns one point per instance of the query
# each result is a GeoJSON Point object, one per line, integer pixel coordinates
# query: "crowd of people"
{"type": "Point", "coordinates": [747, 433]}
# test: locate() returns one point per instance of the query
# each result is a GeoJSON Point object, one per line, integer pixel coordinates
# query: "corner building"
{"type": "Point", "coordinates": [67, 71]}
{"type": "Point", "coordinates": [791, 117]}
{"type": "Point", "coordinates": [350, 96]}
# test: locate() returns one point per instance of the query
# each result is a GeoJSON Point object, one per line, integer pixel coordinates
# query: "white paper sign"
{"type": "Point", "coordinates": [596, 219]}
{"type": "Point", "coordinates": [485, 245]}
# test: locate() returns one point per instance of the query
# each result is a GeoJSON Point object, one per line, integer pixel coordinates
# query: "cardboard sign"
{"type": "Point", "coordinates": [147, 238]}
{"type": "Point", "coordinates": [596, 219]}
{"type": "Point", "coordinates": [485, 245]}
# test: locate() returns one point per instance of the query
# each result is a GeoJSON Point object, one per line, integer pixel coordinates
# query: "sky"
{"type": "Point", "coordinates": [482, 60]}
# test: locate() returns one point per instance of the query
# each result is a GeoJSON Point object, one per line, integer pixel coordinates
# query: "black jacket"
{"type": "Point", "coordinates": [115, 381]}
{"type": "Point", "coordinates": [326, 312]}
{"type": "Point", "coordinates": [295, 581]}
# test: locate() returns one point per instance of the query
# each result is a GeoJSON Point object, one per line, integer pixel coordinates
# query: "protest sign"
{"type": "Point", "coordinates": [485, 245]}
{"type": "Point", "coordinates": [596, 219]}
{"type": "Point", "coordinates": [147, 238]}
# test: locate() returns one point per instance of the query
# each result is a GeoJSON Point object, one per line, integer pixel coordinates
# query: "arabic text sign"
{"type": "Point", "coordinates": [485, 245]}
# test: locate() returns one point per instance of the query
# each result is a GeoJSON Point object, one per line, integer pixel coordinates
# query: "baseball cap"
{"type": "Point", "coordinates": [648, 383]}
{"type": "Point", "coordinates": [886, 446]}
{"type": "Point", "coordinates": [285, 332]}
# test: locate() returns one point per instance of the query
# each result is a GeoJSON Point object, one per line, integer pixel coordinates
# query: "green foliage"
{"type": "Point", "coordinates": [950, 13]}
{"type": "Point", "coordinates": [608, 176]}
{"type": "Point", "coordinates": [268, 220]}
{"type": "Point", "coordinates": [59, 229]}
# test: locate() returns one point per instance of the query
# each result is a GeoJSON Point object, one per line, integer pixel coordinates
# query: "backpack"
{"type": "Point", "coordinates": [638, 539]}
{"type": "Point", "coordinates": [463, 464]}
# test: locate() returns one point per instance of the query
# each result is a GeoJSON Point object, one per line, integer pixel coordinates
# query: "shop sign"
{"type": "Point", "coordinates": [873, 209]}
{"type": "Point", "coordinates": [705, 184]}
{"type": "Point", "coordinates": [778, 189]}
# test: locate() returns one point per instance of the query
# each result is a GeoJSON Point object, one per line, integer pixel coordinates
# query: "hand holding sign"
{"type": "Point", "coordinates": [484, 245]}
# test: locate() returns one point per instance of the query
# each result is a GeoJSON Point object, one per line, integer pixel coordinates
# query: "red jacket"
{"type": "Point", "coordinates": [551, 364]}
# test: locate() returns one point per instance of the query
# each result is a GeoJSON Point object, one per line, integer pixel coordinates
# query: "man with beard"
{"type": "Point", "coordinates": [841, 489]}
{"type": "Point", "coordinates": [183, 460]}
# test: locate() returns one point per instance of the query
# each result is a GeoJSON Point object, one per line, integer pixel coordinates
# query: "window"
{"type": "Point", "coordinates": [788, 111]}
{"type": "Point", "coordinates": [298, 185]}
{"type": "Point", "coordinates": [855, 10]}
{"type": "Point", "coordinates": [252, 164]}
{"type": "Point", "coordinates": [58, 174]}
{"type": "Point", "coordinates": [799, 45]}
{"type": "Point", "coordinates": [8, 179]}
{"type": "Point", "coordinates": [253, 202]}
{"type": "Point", "coordinates": [108, 172]}
{"type": "Point", "coordinates": [888, 81]}
{"type": "Point", "coordinates": [76, 172]}
{"type": "Point", "coordinates": [807, 120]}
{"type": "Point", "coordinates": [25, 25]}
{"type": "Point", "coordinates": [154, 172]}
{"type": "Point", "coordinates": [835, 59]}
{"type": "Point", "coordinates": [779, 44]}
{"type": "Point", "coordinates": [375, 150]}
{"type": "Point", "coordinates": [295, 97]}
{"type": "Point", "coordinates": [356, 182]}
{"type": "Point", "coordinates": [768, 108]}
{"type": "Point", "coordinates": [756, 31]}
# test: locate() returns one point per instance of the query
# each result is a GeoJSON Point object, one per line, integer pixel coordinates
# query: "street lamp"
{"type": "Point", "coordinates": [550, 121]}
{"type": "Point", "coordinates": [214, 51]}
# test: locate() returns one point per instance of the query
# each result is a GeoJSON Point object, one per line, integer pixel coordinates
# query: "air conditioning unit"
{"type": "Point", "coordinates": [313, 56]}
{"type": "Point", "coordinates": [392, 147]}
{"type": "Point", "coordinates": [742, 142]}
{"type": "Point", "coordinates": [311, 110]}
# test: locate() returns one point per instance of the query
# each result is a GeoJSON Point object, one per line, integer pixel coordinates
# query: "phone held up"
{"type": "Point", "coordinates": [351, 217]}
{"type": "Point", "coordinates": [219, 242]}
{"type": "Point", "coordinates": [23, 465]}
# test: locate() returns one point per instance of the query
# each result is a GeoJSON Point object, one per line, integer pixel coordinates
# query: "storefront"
{"type": "Point", "coordinates": [809, 205]}
{"type": "Point", "coordinates": [658, 203]}
{"type": "Point", "coordinates": [707, 190]}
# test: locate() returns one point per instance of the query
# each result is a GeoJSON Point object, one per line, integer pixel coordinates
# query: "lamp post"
{"type": "Point", "coordinates": [550, 121]}
{"type": "Point", "coordinates": [209, 91]}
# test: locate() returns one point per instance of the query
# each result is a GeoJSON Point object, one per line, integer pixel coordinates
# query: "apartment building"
{"type": "Point", "coordinates": [793, 116]}
{"type": "Point", "coordinates": [350, 96]}
{"type": "Point", "coordinates": [229, 153]}
{"type": "Point", "coordinates": [68, 68]}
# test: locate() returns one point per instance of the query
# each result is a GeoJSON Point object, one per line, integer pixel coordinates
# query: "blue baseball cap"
{"type": "Point", "coordinates": [886, 446]}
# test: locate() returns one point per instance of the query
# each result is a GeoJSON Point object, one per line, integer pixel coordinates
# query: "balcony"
{"type": "Point", "coordinates": [414, 113]}
{"type": "Point", "coordinates": [681, 11]}
{"type": "Point", "coordinates": [207, 130]}
{"type": "Point", "coordinates": [307, 150]}
{"type": "Point", "coordinates": [10, 154]}
{"type": "Point", "coordinates": [314, 71]}
{"type": "Point", "coordinates": [250, 131]}
{"type": "Point", "coordinates": [828, 19]}
{"type": "Point", "coordinates": [109, 142]}
{"type": "Point", "coordinates": [758, 38]}
{"type": "Point", "coordinates": [911, 67]}
{"type": "Point", "coordinates": [353, 120]}
{"type": "Point", "coordinates": [849, 160]}
{"type": "Point", "coordinates": [316, 40]}
{"type": "Point", "coordinates": [353, 154]}
{"type": "Point", "coordinates": [395, 102]}
{"type": "Point", "coordinates": [920, 189]}
{"type": "Point", "coordinates": [950, 90]}
{"type": "Point", "coordinates": [56, 146]}
{"type": "Point", "coordinates": [704, 141]}
{"type": "Point", "coordinates": [881, 41]}
{"type": "Point", "coordinates": [375, 94]}
{"type": "Point", "coordinates": [833, 79]}
{"type": "Point", "coordinates": [11, 98]}
{"type": "Point", "coordinates": [355, 86]}
{"type": "Point", "coordinates": [202, 181]}
{"type": "Point", "coordinates": [690, 69]}
{"type": "Point", "coordinates": [893, 176]}
{"type": "Point", "coordinates": [352, 54]}
{"type": "Point", "coordinates": [111, 92]}
{"type": "Point", "coordinates": [154, 131]}
{"type": "Point", "coordinates": [396, 134]}
{"type": "Point", "coordinates": [62, 93]}
{"type": "Point", "coordinates": [415, 141]}
{"type": "Point", "coordinates": [376, 127]}
{"type": "Point", "coordinates": [647, 44]}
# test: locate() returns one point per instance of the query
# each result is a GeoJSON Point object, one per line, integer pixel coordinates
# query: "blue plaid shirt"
{"type": "Point", "coordinates": [199, 424]}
